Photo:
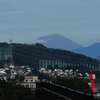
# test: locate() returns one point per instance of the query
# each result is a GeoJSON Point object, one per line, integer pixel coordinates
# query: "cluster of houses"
{"type": "Point", "coordinates": [62, 73]}
{"type": "Point", "coordinates": [10, 72]}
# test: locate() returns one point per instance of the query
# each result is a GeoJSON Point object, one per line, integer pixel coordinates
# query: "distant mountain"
{"type": "Point", "coordinates": [91, 51]}
{"type": "Point", "coordinates": [57, 42]}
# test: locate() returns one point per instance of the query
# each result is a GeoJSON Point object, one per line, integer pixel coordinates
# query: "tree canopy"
{"type": "Point", "coordinates": [76, 83]}
{"type": "Point", "coordinates": [9, 91]}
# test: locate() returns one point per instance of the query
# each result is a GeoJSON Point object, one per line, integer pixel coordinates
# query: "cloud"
{"type": "Point", "coordinates": [92, 41]}
{"type": "Point", "coordinates": [39, 41]}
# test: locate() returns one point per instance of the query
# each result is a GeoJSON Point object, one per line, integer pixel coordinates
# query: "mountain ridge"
{"type": "Point", "coordinates": [57, 41]}
{"type": "Point", "coordinates": [90, 51]}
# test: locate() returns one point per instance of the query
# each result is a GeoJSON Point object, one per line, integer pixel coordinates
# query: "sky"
{"type": "Point", "coordinates": [25, 20]}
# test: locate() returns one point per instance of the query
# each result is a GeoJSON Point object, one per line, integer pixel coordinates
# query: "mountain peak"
{"type": "Point", "coordinates": [51, 36]}
{"type": "Point", "coordinates": [57, 41]}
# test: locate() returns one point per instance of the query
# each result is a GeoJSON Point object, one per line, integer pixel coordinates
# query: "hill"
{"type": "Point", "coordinates": [24, 54]}
{"type": "Point", "coordinates": [90, 51]}
{"type": "Point", "coordinates": [57, 42]}
{"type": "Point", "coordinates": [31, 54]}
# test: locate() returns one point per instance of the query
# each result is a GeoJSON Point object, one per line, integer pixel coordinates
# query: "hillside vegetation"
{"type": "Point", "coordinates": [31, 54]}
{"type": "Point", "coordinates": [10, 91]}
{"type": "Point", "coordinates": [73, 83]}
{"type": "Point", "coordinates": [24, 54]}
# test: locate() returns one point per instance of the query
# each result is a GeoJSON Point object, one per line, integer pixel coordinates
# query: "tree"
{"type": "Point", "coordinates": [76, 83]}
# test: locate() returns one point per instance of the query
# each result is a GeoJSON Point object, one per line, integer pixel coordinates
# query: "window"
{"type": "Point", "coordinates": [26, 80]}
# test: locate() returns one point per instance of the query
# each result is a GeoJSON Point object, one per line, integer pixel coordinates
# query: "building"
{"type": "Point", "coordinates": [30, 82]}
{"type": "Point", "coordinates": [53, 63]}
{"type": "Point", "coordinates": [61, 64]}
{"type": "Point", "coordinates": [5, 52]}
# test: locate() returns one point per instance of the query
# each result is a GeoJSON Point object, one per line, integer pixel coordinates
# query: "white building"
{"type": "Point", "coordinates": [30, 82]}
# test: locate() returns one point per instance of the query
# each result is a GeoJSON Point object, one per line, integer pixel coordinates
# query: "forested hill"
{"type": "Point", "coordinates": [25, 54]}
{"type": "Point", "coordinates": [30, 54]}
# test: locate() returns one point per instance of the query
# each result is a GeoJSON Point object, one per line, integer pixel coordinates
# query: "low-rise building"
{"type": "Point", "coordinates": [30, 82]}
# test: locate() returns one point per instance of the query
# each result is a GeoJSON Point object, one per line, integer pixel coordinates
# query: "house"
{"type": "Point", "coordinates": [30, 82]}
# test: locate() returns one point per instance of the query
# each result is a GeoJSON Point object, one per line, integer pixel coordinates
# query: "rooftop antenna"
{"type": "Point", "coordinates": [11, 53]}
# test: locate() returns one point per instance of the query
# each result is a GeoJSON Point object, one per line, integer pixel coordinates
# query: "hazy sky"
{"type": "Point", "coordinates": [26, 20]}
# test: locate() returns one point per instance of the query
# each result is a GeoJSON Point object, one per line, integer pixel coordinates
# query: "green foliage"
{"type": "Point", "coordinates": [10, 91]}
{"type": "Point", "coordinates": [31, 54]}
{"type": "Point", "coordinates": [19, 77]}
{"type": "Point", "coordinates": [97, 80]}
{"type": "Point", "coordinates": [44, 76]}
{"type": "Point", "coordinates": [24, 54]}
{"type": "Point", "coordinates": [74, 83]}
